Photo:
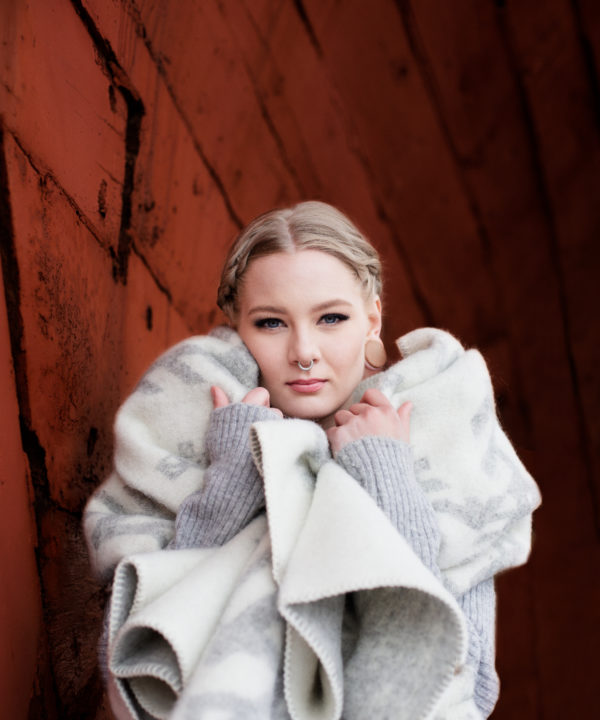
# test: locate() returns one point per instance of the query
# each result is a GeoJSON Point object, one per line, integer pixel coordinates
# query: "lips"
{"type": "Point", "coordinates": [307, 385]}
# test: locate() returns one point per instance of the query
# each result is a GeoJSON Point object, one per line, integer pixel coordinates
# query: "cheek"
{"type": "Point", "coordinates": [268, 364]}
{"type": "Point", "coordinates": [268, 374]}
{"type": "Point", "coordinates": [349, 363]}
{"type": "Point", "coordinates": [353, 349]}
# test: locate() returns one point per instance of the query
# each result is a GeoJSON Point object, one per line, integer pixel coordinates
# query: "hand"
{"type": "Point", "coordinates": [373, 415]}
{"type": "Point", "coordinates": [256, 396]}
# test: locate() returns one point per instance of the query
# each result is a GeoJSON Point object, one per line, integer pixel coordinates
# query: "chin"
{"type": "Point", "coordinates": [305, 414]}
{"type": "Point", "coordinates": [316, 411]}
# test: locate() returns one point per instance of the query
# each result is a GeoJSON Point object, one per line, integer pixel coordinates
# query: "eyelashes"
{"type": "Point", "coordinates": [268, 323]}
{"type": "Point", "coordinates": [333, 318]}
{"type": "Point", "coordinates": [272, 323]}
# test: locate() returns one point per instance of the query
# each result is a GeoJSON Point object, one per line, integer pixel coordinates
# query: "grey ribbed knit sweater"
{"type": "Point", "coordinates": [233, 494]}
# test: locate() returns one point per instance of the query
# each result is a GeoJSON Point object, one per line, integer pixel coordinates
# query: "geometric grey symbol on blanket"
{"type": "Point", "coordinates": [391, 382]}
{"type": "Point", "coordinates": [241, 365]}
{"type": "Point", "coordinates": [186, 449]}
{"type": "Point", "coordinates": [473, 512]}
{"type": "Point", "coordinates": [111, 504]}
{"type": "Point", "coordinates": [433, 484]}
{"type": "Point", "coordinates": [494, 456]}
{"type": "Point", "coordinates": [222, 332]}
{"type": "Point", "coordinates": [237, 360]}
{"type": "Point", "coordinates": [108, 527]}
{"type": "Point", "coordinates": [490, 460]}
{"type": "Point", "coordinates": [202, 460]}
{"type": "Point", "coordinates": [422, 464]}
{"type": "Point", "coordinates": [481, 417]}
{"type": "Point", "coordinates": [147, 387]}
{"type": "Point", "coordinates": [250, 632]}
{"type": "Point", "coordinates": [143, 503]}
{"type": "Point", "coordinates": [257, 632]}
{"type": "Point", "coordinates": [429, 484]}
{"type": "Point", "coordinates": [147, 504]}
{"type": "Point", "coordinates": [173, 466]}
{"type": "Point", "coordinates": [173, 362]}
{"type": "Point", "coordinates": [498, 556]}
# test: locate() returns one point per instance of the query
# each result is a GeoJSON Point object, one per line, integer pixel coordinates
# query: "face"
{"type": "Point", "coordinates": [302, 306]}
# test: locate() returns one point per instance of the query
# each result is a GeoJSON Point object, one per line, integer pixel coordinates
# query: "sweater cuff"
{"type": "Point", "coordinates": [233, 492]}
{"type": "Point", "coordinates": [229, 426]}
{"type": "Point", "coordinates": [385, 469]}
{"type": "Point", "coordinates": [479, 607]}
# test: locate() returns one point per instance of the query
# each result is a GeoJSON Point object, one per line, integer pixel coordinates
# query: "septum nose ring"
{"type": "Point", "coordinates": [306, 367]}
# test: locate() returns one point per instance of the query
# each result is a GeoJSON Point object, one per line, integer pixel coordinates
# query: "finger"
{"type": "Point", "coordinates": [219, 398]}
{"type": "Point", "coordinates": [342, 416]}
{"type": "Point", "coordinates": [257, 396]}
{"type": "Point", "coordinates": [336, 439]}
{"type": "Point", "coordinates": [375, 398]}
{"type": "Point", "coordinates": [278, 411]}
{"type": "Point", "coordinates": [359, 408]}
{"type": "Point", "coordinates": [405, 410]}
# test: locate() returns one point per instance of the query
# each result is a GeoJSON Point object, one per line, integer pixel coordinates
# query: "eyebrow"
{"type": "Point", "coordinates": [280, 311]}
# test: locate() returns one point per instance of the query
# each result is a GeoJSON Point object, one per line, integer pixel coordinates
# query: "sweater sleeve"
{"type": "Point", "coordinates": [384, 467]}
{"type": "Point", "coordinates": [232, 493]}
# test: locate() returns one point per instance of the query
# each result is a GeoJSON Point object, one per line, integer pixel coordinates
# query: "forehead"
{"type": "Point", "coordinates": [303, 275]}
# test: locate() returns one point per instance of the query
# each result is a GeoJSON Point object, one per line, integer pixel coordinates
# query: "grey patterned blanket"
{"type": "Point", "coordinates": [255, 628]}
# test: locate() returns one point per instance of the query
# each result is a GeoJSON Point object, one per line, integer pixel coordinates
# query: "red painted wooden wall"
{"type": "Point", "coordinates": [137, 137]}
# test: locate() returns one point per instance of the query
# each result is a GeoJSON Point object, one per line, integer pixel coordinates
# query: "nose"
{"type": "Point", "coordinates": [303, 347]}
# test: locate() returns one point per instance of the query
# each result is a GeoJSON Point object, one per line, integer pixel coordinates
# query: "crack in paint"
{"type": "Point", "coordinates": [35, 453]}
{"type": "Point", "coordinates": [310, 31]}
{"type": "Point", "coordinates": [134, 14]}
{"type": "Point", "coordinates": [264, 110]}
{"type": "Point", "coordinates": [135, 112]}
{"type": "Point", "coordinates": [47, 176]}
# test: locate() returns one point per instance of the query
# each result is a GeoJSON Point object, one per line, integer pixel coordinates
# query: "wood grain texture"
{"type": "Point", "coordinates": [56, 97]}
{"type": "Point", "coordinates": [463, 137]}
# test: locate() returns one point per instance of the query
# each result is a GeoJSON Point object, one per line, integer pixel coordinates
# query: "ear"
{"type": "Point", "coordinates": [374, 314]}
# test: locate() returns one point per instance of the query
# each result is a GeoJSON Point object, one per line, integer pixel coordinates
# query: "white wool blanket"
{"type": "Point", "coordinates": [256, 628]}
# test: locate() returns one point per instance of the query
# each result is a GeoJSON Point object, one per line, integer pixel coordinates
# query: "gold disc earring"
{"type": "Point", "coordinates": [375, 354]}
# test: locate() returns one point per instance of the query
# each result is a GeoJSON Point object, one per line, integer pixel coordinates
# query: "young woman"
{"type": "Point", "coordinates": [289, 545]}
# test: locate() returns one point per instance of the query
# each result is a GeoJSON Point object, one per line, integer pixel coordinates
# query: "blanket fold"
{"type": "Point", "coordinates": [405, 612]}
{"type": "Point", "coordinates": [214, 633]}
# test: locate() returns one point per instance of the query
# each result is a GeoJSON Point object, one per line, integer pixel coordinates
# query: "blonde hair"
{"type": "Point", "coordinates": [310, 225]}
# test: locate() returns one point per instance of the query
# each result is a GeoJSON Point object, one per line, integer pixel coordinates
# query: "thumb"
{"type": "Point", "coordinates": [404, 411]}
{"type": "Point", "coordinates": [219, 398]}
{"type": "Point", "coordinates": [257, 396]}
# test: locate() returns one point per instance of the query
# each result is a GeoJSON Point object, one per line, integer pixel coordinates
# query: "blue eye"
{"type": "Point", "coordinates": [333, 318]}
{"type": "Point", "coordinates": [268, 323]}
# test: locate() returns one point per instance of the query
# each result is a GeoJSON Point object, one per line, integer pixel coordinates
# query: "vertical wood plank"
{"type": "Point", "coordinates": [288, 79]}
{"type": "Point", "coordinates": [86, 339]}
{"type": "Point", "coordinates": [557, 92]}
{"type": "Point", "coordinates": [206, 78]}
{"type": "Point", "coordinates": [369, 60]}
{"type": "Point", "coordinates": [561, 102]}
{"type": "Point", "coordinates": [57, 100]}
{"type": "Point", "coordinates": [20, 609]}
